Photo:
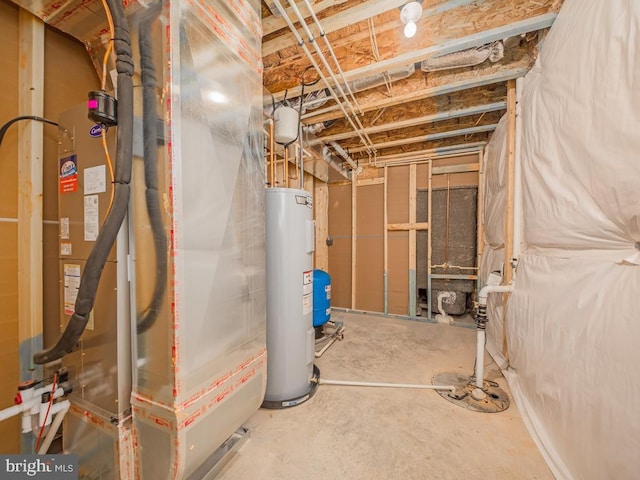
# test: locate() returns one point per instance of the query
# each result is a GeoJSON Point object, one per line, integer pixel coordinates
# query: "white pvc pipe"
{"type": "Point", "coordinates": [61, 408]}
{"type": "Point", "coordinates": [10, 412]}
{"type": "Point", "coordinates": [326, 347]}
{"type": "Point", "coordinates": [348, 383]}
{"type": "Point", "coordinates": [360, 128]}
{"type": "Point", "coordinates": [480, 340]}
{"type": "Point", "coordinates": [333, 55]}
{"type": "Point", "coordinates": [481, 335]}
{"type": "Point", "coordinates": [344, 154]}
{"type": "Point", "coordinates": [486, 290]}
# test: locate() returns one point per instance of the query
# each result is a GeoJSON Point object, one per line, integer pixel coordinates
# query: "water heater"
{"type": "Point", "coordinates": [290, 333]}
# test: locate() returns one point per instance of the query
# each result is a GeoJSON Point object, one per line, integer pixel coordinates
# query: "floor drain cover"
{"type": "Point", "coordinates": [495, 400]}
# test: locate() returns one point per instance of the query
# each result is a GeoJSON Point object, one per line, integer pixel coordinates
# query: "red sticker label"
{"type": "Point", "coordinates": [68, 174]}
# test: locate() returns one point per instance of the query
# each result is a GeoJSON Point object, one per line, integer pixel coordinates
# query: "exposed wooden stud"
{"type": "Point", "coordinates": [412, 122]}
{"type": "Point", "coordinates": [273, 24]}
{"type": "Point", "coordinates": [407, 226]}
{"type": "Point", "coordinates": [354, 190]}
{"type": "Point", "coordinates": [333, 112]}
{"type": "Point", "coordinates": [321, 209]}
{"type": "Point", "coordinates": [386, 243]}
{"type": "Point", "coordinates": [30, 172]}
{"type": "Point", "coordinates": [429, 235]}
{"type": "Point", "coordinates": [467, 167]}
{"type": "Point", "coordinates": [480, 213]}
{"type": "Point", "coordinates": [370, 181]}
{"type": "Point", "coordinates": [510, 180]}
{"type": "Point", "coordinates": [429, 138]}
{"type": "Point", "coordinates": [412, 239]}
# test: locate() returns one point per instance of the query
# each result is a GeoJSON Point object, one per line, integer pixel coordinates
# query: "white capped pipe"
{"type": "Point", "coordinates": [481, 335]}
{"type": "Point", "coordinates": [61, 409]}
{"type": "Point", "coordinates": [480, 340]}
{"type": "Point", "coordinates": [348, 383]}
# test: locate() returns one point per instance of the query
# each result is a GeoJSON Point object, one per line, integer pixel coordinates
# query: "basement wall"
{"type": "Point", "coordinates": [368, 270]}
{"type": "Point", "coordinates": [572, 325]}
{"type": "Point", "coordinates": [69, 74]}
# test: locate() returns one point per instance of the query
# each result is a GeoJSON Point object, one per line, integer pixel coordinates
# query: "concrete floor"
{"type": "Point", "coordinates": [372, 433]}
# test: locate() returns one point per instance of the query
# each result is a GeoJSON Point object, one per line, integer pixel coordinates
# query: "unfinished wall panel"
{"type": "Point", "coordinates": [369, 248]}
{"type": "Point", "coordinates": [398, 212]}
{"type": "Point", "coordinates": [340, 251]}
{"type": "Point", "coordinates": [9, 430]}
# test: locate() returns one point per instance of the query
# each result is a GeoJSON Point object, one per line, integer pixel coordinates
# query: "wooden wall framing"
{"type": "Point", "coordinates": [372, 221]}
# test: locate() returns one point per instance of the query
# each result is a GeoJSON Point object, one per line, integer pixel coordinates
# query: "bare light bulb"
{"type": "Point", "coordinates": [410, 29]}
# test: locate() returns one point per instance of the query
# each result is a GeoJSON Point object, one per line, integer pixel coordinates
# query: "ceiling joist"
{"type": "Point", "coordinates": [412, 122]}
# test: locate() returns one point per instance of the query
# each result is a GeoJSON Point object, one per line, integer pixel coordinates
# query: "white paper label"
{"type": "Point", "coordinates": [64, 228]}
{"type": "Point", "coordinates": [71, 284]}
{"type": "Point", "coordinates": [95, 180]}
{"type": "Point", "coordinates": [307, 277]}
{"type": "Point", "coordinates": [306, 289]}
{"type": "Point", "coordinates": [91, 218]}
{"type": "Point", "coordinates": [65, 248]}
{"type": "Point", "coordinates": [327, 291]}
{"type": "Point", "coordinates": [307, 304]}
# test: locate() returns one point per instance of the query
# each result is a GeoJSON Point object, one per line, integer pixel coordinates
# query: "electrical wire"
{"type": "Point", "coordinates": [44, 422]}
{"type": "Point", "coordinates": [103, 85]}
{"type": "Point", "coordinates": [5, 127]}
{"type": "Point", "coordinates": [103, 137]}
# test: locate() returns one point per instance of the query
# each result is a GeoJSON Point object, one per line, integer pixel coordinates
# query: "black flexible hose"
{"type": "Point", "coordinates": [97, 258]}
{"type": "Point", "coordinates": [150, 134]}
{"type": "Point", "coordinates": [5, 127]}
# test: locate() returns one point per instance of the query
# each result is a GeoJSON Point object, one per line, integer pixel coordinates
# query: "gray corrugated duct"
{"type": "Point", "coordinates": [465, 58]}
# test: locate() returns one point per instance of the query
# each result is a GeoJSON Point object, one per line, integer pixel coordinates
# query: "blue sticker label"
{"type": "Point", "coordinates": [96, 131]}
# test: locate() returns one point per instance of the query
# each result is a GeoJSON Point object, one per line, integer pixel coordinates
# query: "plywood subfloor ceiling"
{"type": "Point", "coordinates": [410, 110]}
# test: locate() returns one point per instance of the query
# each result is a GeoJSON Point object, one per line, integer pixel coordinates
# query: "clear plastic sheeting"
{"type": "Point", "coordinates": [200, 368]}
{"type": "Point", "coordinates": [495, 157]}
{"type": "Point", "coordinates": [573, 325]}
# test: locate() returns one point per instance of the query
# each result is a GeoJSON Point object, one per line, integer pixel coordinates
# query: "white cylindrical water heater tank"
{"type": "Point", "coordinates": [285, 120]}
{"type": "Point", "coordinates": [290, 334]}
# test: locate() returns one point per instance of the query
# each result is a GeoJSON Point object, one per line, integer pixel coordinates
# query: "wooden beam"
{"type": "Point", "coordinates": [468, 167]}
{"type": "Point", "coordinates": [370, 181]}
{"type": "Point", "coordinates": [456, 45]}
{"type": "Point", "coordinates": [412, 122]}
{"type": "Point", "coordinates": [321, 210]}
{"type": "Point", "coordinates": [386, 243]}
{"type": "Point", "coordinates": [354, 189]}
{"type": "Point", "coordinates": [408, 226]}
{"type": "Point", "coordinates": [480, 212]}
{"type": "Point", "coordinates": [333, 112]}
{"type": "Point", "coordinates": [30, 171]}
{"type": "Point", "coordinates": [429, 234]}
{"type": "Point", "coordinates": [429, 138]}
{"type": "Point", "coordinates": [273, 24]}
{"type": "Point", "coordinates": [449, 46]}
{"type": "Point", "coordinates": [348, 17]}
{"type": "Point", "coordinates": [510, 181]}
{"type": "Point", "coordinates": [412, 239]}
{"type": "Point", "coordinates": [433, 153]}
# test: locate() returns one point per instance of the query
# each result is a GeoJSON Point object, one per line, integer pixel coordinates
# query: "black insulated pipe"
{"type": "Point", "coordinates": [147, 317]}
{"type": "Point", "coordinates": [122, 177]}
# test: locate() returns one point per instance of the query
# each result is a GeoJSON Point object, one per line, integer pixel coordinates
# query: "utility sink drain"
{"type": "Point", "coordinates": [493, 400]}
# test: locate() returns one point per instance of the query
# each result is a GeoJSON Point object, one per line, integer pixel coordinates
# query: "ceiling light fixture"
{"type": "Point", "coordinates": [410, 14]}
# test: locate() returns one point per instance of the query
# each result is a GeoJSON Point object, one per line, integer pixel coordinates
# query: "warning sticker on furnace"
{"type": "Point", "coordinates": [69, 174]}
{"type": "Point", "coordinates": [71, 286]}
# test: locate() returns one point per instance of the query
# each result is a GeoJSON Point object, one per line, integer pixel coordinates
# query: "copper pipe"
{"type": "Point", "coordinates": [446, 241]}
{"type": "Point", "coordinates": [272, 177]}
{"type": "Point", "coordinates": [286, 167]}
